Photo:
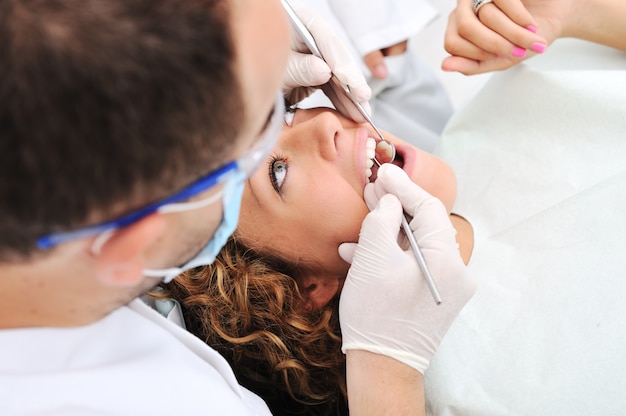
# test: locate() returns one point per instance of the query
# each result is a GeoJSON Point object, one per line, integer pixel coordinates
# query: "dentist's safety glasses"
{"type": "Point", "coordinates": [232, 175]}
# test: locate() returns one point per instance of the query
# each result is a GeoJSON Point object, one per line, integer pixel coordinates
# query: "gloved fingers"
{"type": "Point", "coordinates": [346, 251]}
{"type": "Point", "coordinates": [371, 199]}
{"type": "Point", "coordinates": [381, 226]}
{"type": "Point", "coordinates": [305, 69]}
{"type": "Point", "coordinates": [445, 234]}
{"type": "Point", "coordinates": [334, 51]}
{"type": "Point", "coordinates": [429, 215]}
{"type": "Point", "coordinates": [392, 179]}
{"type": "Point", "coordinates": [370, 196]}
{"type": "Point", "coordinates": [377, 249]}
{"type": "Point", "coordinates": [423, 230]}
{"type": "Point", "coordinates": [339, 59]}
{"type": "Point", "coordinates": [303, 76]}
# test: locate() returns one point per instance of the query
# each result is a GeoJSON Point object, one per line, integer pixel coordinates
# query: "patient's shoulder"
{"type": "Point", "coordinates": [464, 236]}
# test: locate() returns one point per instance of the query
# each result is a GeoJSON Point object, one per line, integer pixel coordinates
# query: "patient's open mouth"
{"type": "Point", "coordinates": [382, 152]}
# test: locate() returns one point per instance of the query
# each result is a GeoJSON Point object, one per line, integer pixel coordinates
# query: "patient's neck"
{"type": "Point", "coordinates": [464, 236]}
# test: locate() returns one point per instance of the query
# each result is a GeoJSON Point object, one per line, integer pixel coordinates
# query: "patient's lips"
{"type": "Point", "coordinates": [406, 159]}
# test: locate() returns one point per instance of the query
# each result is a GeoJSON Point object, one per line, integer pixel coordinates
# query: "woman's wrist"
{"type": "Point", "coordinates": [599, 21]}
{"type": "Point", "coordinates": [380, 385]}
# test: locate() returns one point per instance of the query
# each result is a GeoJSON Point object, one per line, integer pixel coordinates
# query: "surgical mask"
{"type": "Point", "coordinates": [231, 202]}
{"type": "Point", "coordinates": [232, 176]}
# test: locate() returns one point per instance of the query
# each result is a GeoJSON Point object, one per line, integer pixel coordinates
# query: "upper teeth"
{"type": "Point", "coordinates": [372, 149]}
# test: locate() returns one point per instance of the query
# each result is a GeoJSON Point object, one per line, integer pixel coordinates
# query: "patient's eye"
{"type": "Point", "coordinates": [277, 172]}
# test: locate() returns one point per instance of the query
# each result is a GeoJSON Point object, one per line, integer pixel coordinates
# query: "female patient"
{"type": "Point", "coordinates": [269, 302]}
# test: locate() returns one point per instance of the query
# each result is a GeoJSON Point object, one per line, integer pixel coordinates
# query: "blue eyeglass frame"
{"type": "Point", "coordinates": [247, 164]}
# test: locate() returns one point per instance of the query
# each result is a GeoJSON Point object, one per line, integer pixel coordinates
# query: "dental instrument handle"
{"type": "Point", "coordinates": [421, 261]}
{"type": "Point", "coordinates": [419, 256]}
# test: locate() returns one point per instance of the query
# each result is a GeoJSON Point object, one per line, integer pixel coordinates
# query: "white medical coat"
{"type": "Point", "coordinates": [132, 362]}
{"type": "Point", "coordinates": [375, 24]}
{"type": "Point", "coordinates": [411, 102]}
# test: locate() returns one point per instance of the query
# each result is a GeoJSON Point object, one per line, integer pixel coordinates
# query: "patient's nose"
{"type": "Point", "coordinates": [319, 133]}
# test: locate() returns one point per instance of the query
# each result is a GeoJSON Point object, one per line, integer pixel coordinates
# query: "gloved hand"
{"type": "Point", "coordinates": [306, 73]}
{"type": "Point", "coordinates": [385, 305]}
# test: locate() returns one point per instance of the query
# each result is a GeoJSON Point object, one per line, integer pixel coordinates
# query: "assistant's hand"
{"type": "Point", "coordinates": [385, 305]}
{"type": "Point", "coordinates": [306, 73]}
{"type": "Point", "coordinates": [375, 60]}
{"type": "Point", "coordinates": [504, 33]}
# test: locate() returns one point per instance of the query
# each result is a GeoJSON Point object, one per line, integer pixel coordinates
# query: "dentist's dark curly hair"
{"type": "Point", "coordinates": [249, 308]}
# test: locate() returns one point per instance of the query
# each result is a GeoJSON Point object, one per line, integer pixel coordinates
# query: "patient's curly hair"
{"type": "Point", "coordinates": [249, 308]}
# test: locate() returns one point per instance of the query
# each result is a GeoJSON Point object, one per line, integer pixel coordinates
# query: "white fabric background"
{"type": "Point", "coordinates": [541, 159]}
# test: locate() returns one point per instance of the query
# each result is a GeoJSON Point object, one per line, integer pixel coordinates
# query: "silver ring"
{"type": "Point", "coordinates": [480, 3]}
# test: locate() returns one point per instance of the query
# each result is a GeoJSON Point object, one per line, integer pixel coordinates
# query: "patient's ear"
{"type": "Point", "coordinates": [319, 290]}
{"type": "Point", "coordinates": [120, 259]}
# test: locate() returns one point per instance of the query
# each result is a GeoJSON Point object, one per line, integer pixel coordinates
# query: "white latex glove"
{"type": "Point", "coordinates": [306, 73]}
{"type": "Point", "coordinates": [385, 305]}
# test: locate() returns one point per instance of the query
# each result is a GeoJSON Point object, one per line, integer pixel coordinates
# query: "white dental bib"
{"type": "Point", "coordinates": [540, 157]}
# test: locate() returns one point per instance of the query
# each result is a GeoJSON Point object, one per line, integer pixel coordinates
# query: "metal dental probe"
{"type": "Point", "coordinates": [309, 41]}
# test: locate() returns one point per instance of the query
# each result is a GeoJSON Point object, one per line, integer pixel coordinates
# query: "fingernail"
{"type": "Point", "coordinates": [380, 71]}
{"type": "Point", "coordinates": [518, 52]}
{"type": "Point", "coordinates": [538, 47]}
{"type": "Point", "coordinates": [532, 28]}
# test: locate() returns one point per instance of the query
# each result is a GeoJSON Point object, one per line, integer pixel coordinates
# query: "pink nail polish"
{"type": "Point", "coordinates": [518, 52]}
{"type": "Point", "coordinates": [532, 28]}
{"type": "Point", "coordinates": [538, 47]}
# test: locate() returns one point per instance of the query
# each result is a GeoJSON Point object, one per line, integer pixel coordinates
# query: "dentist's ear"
{"type": "Point", "coordinates": [120, 256]}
